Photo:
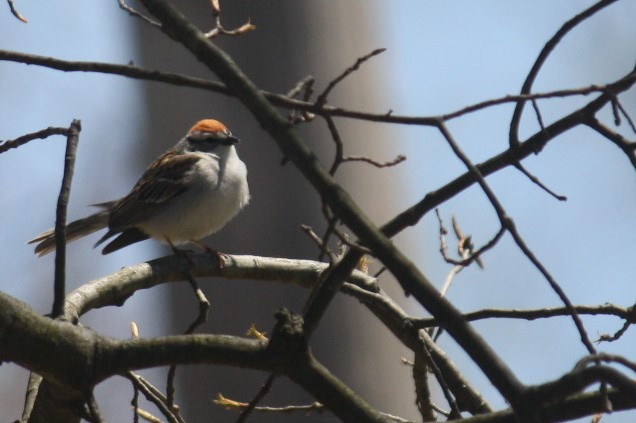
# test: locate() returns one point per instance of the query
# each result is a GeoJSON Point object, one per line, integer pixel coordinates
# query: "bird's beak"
{"type": "Point", "coordinates": [231, 140]}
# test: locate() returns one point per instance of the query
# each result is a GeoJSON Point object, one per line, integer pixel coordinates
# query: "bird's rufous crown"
{"type": "Point", "coordinates": [208, 125]}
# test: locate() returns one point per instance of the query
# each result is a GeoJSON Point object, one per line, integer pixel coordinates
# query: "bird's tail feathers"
{"type": "Point", "coordinates": [74, 230]}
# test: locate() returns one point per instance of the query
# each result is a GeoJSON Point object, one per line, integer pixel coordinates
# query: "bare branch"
{"type": "Point", "coordinates": [507, 223]}
{"type": "Point", "coordinates": [537, 182]}
{"type": "Point", "coordinates": [320, 242]}
{"type": "Point", "coordinates": [629, 119]}
{"type": "Point", "coordinates": [628, 147]}
{"type": "Point", "coordinates": [202, 317]}
{"type": "Point", "coordinates": [133, 12]}
{"type": "Point", "coordinates": [322, 98]}
{"type": "Point", "coordinates": [423, 398]}
{"type": "Point", "coordinates": [153, 395]}
{"type": "Point", "coordinates": [218, 27]}
{"type": "Point", "coordinates": [231, 404]}
{"type": "Point", "coordinates": [413, 214]}
{"type": "Point", "coordinates": [397, 160]}
{"type": "Point", "coordinates": [543, 56]}
{"type": "Point", "coordinates": [31, 396]}
{"type": "Point", "coordinates": [44, 133]}
{"type": "Point", "coordinates": [267, 386]}
{"type": "Point", "coordinates": [290, 103]}
{"type": "Point", "coordinates": [617, 335]}
{"type": "Point", "coordinates": [60, 219]}
{"type": "Point", "coordinates": [628, 314]}
{"type": "Point", "coordinates": [15, 12]}
{"type": "Point", "coordinates": [114, 289]}
{"type": "Point", "coordinates": [607, 358]}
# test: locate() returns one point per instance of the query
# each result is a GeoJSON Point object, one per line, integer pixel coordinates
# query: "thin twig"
{"type": "Point", "coordinates": [236, 405]}
{"type": "Point", "coordinates": [632, 125]}
{"type": "Point", "coordinates": [44, 133]}
{"type": "Point", "coordinates": [322, 98]}
{"type": "Point", "coordinates": [312, 235]}
{"type": "Point", "coordinates": [608, 358]}
{"type": "Point", "coordinates": [332, 222]}
{"type": "Point", "coordinates": [134, 403]}
{"type": "Point", "coordinates": [267, 386]}
{"type": "Point", "coordinates": [545, 52]}
{"type": "Point", "coordinates": [337, 140]}
{"type": "Point", "coordinates": [617, 335]}
{"type": "Point", "coordinates": [537, 182]}
{"type": "Point", "coordinates": [507, 223]}
{"type": "Point", "coordinates": [318, 241]}
{"type": "Point", "coordinates": [455, 411]}
{"type": "Point", "coordinates": [628, 147]}
{"type": "Point", "coordinates": [397, 160]}
{"type": "Point", "coordinates": [15, 12]}
{"type": "Point", "coordinates": [72, 140]}
{"type": "Point", "coordinates": [31, 395]}
{"type": "Point", "coordinates": [134, 12]}
{"type": "Point", "coordinates": [537, 112]}
{"type": "Point", "coordinates": [465, 247]}
{"type": "Point", "coordinates": [629, 314]}
{"type": "Point", "coordinates": [304, 87]}
{"type": "Point", "coordinates": [147, 416]}
{"type": "Point", "coordinates": [202, 317]}
{"type": "Point", "coordinates": [218, 28]}
{"type": "Point", "coordinates": [153, 395]}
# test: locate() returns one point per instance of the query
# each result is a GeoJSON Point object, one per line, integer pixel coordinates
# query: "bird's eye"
{"type": "Point", "coordinates": [213, 138]}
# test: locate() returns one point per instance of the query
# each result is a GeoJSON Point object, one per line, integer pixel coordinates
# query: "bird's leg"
{"type": "Point", "coordinates": [180, 252]}
{"type": "Point", "coordinates": [220, 257]}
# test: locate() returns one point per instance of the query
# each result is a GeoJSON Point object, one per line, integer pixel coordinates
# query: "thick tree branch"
{"type": "Point", "coordinates": [117, 287]}
{"type": "Point", "coordinates": [577, 406]}
{"type": "Point", "coordinates": [77, 358]}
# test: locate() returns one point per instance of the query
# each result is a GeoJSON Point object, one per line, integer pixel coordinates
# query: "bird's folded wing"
{"type": "Point", "coordinates": [165, 179]}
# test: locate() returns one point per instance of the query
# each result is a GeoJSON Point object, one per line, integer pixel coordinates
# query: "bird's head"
{"type": "Point", "coordinates": [207, 134]}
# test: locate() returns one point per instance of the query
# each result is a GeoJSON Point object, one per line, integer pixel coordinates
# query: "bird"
{"type": "Point", "coordinates": [189, 192]}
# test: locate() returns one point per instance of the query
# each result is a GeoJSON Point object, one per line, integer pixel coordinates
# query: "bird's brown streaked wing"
{"type": "Point", "coordinates": [164, 180]}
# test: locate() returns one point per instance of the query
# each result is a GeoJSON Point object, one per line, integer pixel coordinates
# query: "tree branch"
{"type": "Point", "coordinates": [44, 133]}
{"type": "Point", "coordinates": [72, 140]}
{"type": "Point", "coordinates": [626, 313]}
{"type": "Point", "coordinates": [545, 52]}
{"type": "Point", "coordinates": [116, 288]}
{"type": "Point", "coordinates": [179, 28]}
{"type": "Point", "coordinates": [285, 100]}
{"type": "Point", "coordinates": [537, 141]}
{"type": "Point", "coordinates": [77, 358]}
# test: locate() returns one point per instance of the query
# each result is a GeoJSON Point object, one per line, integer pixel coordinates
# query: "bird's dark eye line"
{"type": "Point", "coordinates": [205, 138]}
{"type": "Point", "coordinates": [225, 139]}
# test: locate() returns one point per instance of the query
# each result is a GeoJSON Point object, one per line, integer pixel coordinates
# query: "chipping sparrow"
{"type": "Point", "coordinates": [189, 192]}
